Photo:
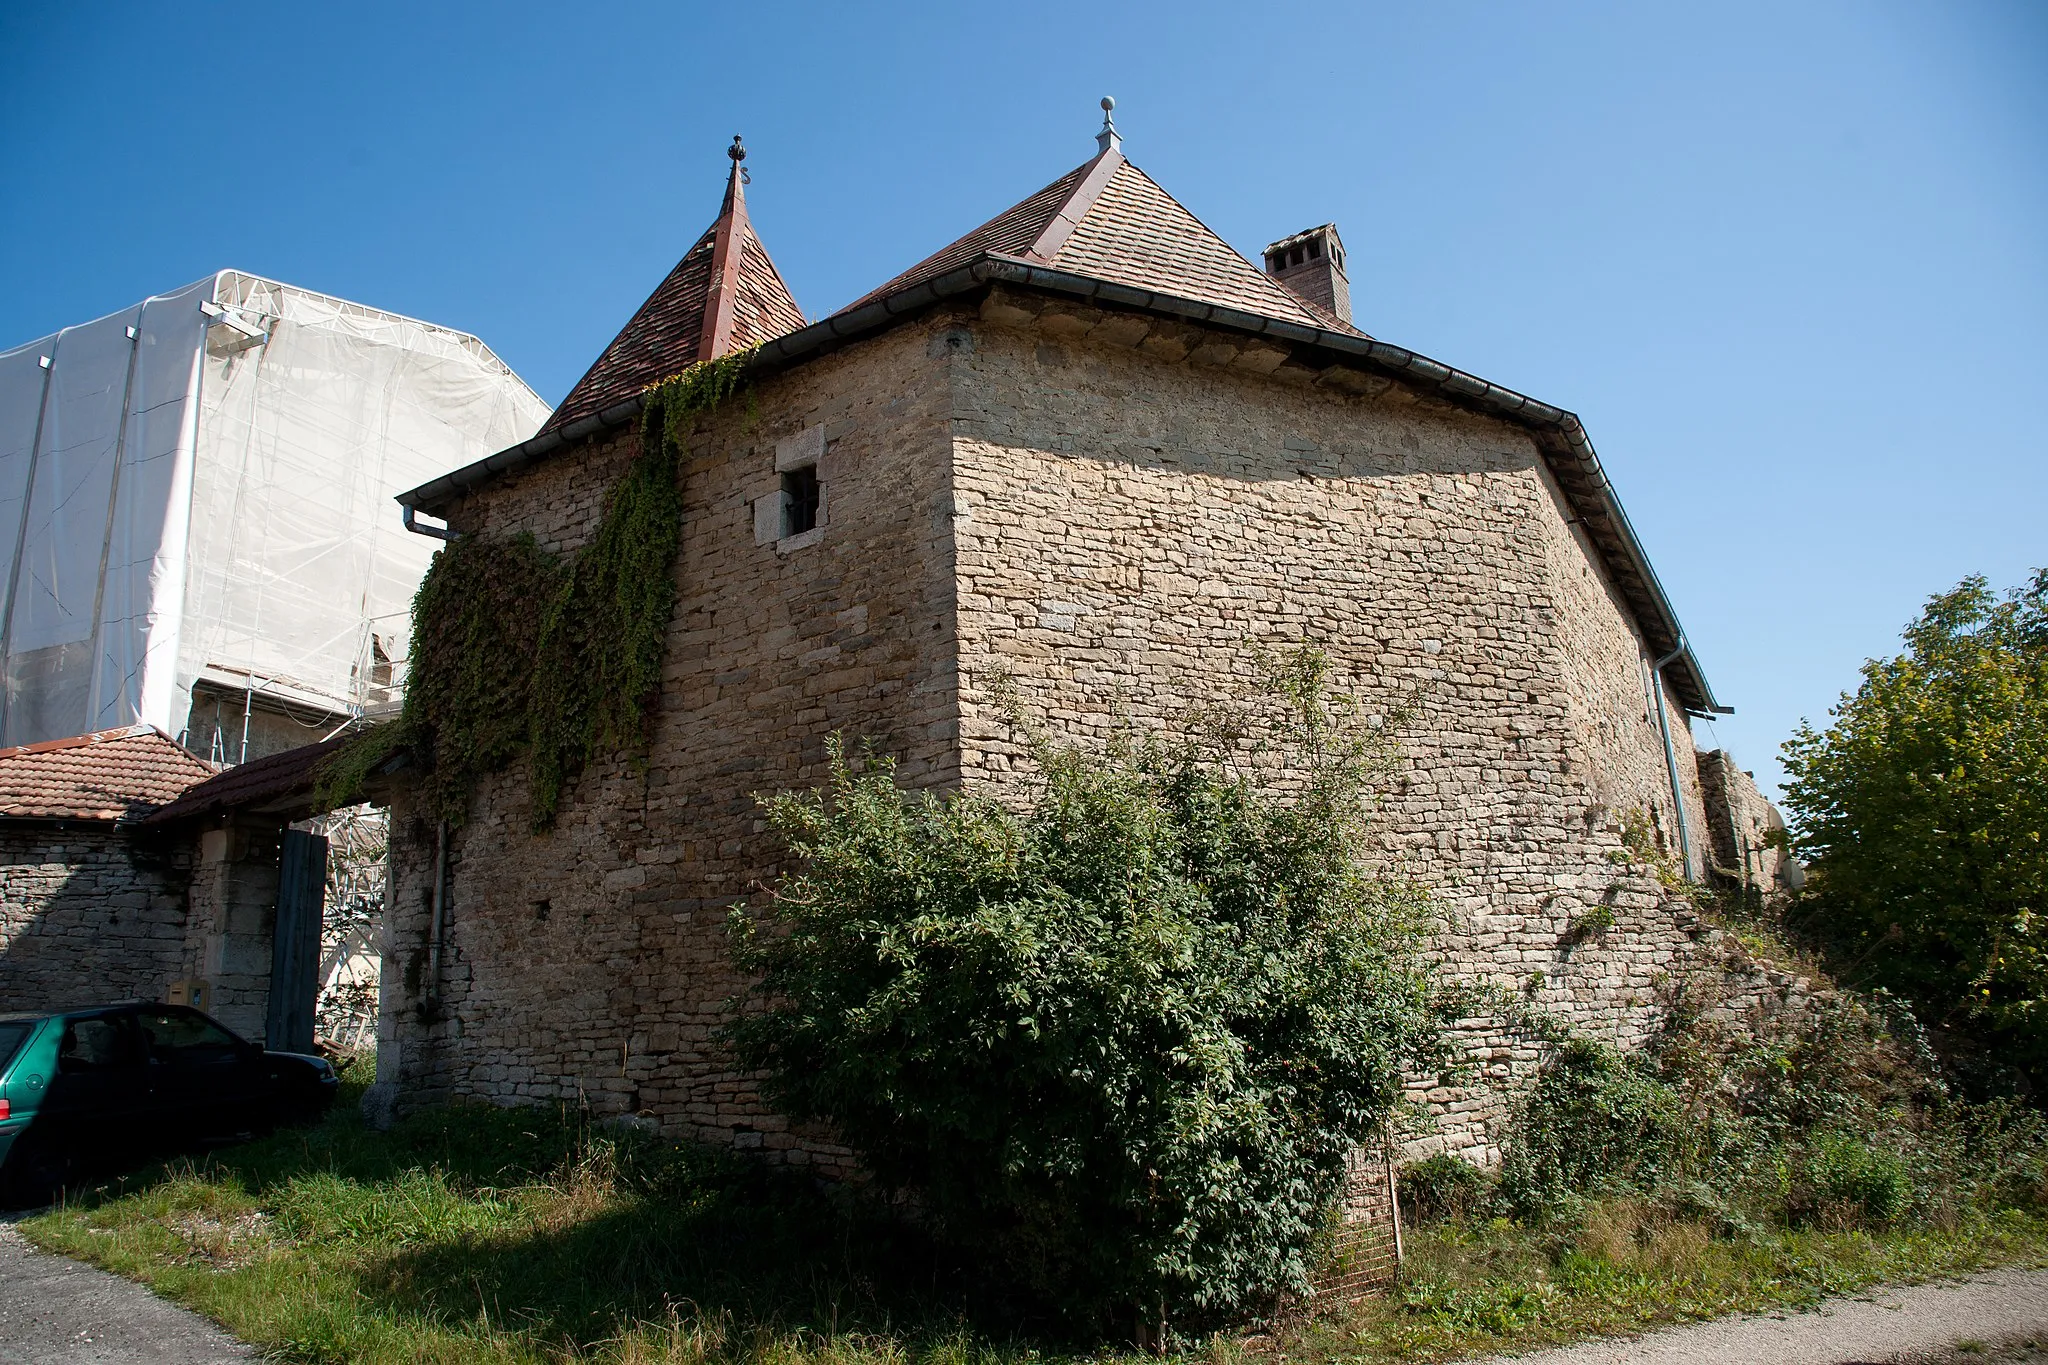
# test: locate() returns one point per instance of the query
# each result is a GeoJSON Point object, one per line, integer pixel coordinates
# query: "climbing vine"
{"type": "Point", "coordinates": [515, 648]}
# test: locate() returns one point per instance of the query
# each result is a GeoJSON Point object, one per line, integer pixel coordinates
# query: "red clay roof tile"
{"type": "Point", "coordinates": [1009, 233]}
{"type": "Point", "coordinates": [276, 780]}
{"type": "Point", "coordinates": [666, 335]}
{"type": "Point", "coordinates": [1128, 231]}
{"type": "Point", "coordinates": [107, 775]}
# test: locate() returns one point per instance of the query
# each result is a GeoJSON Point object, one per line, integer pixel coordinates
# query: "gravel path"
{"type": "Point", "coordinates": [54, 1311]}
{"type": "Point", "coordinates": [2001, 1316]}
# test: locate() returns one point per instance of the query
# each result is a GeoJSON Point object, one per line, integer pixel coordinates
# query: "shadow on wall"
{"type": "Point", "coordinates": [89, 913]}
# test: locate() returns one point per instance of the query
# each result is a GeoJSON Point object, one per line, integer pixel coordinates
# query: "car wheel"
{"type": "Point", "coordinates": [35, 1173]}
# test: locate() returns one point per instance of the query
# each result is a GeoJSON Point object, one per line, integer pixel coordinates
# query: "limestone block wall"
{"type": "Point", "coordinates": [590, 964]}
{"type": "Point", "coordinates": [1109, 510]}
{"type": "Point", "coordinates": [1132, 510]}
{"type": "Point", "coordinates": [87, 914]}
{"type": "Point", "coordinates": [1743, 831]}
{"type": "Point", "coordinates": [228, 938]}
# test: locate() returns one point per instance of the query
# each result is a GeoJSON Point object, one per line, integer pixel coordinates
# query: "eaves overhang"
{"type": "Point", "coordinates": [1567, 449]}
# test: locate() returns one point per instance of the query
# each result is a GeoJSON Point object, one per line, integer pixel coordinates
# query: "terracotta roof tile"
{"type": "Point", "coordinates": [666, 335]}
{"type": "Point", "coordinates": [1138, 234]}
{"type": "Point", "coordinates": [108, 775]}
{"type": "Point", "coordinates": [1009, 233]}
{"type": "Point", "coordinates": [1124, 229]}
{"type": "Point", "coordinates": [275, 780]}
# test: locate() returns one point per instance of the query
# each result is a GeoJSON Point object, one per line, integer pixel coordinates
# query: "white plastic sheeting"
{"type": "Point", "coordinates": [200, 488]}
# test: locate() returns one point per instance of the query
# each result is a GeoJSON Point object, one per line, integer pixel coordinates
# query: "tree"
{"type": "Point", "coordinates": [1922, 810]}
{"type": "Point", "coordinates": [1117, 1042]}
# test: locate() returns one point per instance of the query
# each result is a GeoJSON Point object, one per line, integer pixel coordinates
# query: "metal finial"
{"type": "Point", "coordinates": [1108, 139]}
{"type": "Point", "coordinates": [736, 152]}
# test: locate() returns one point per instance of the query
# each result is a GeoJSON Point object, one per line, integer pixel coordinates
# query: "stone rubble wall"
{"type": "Point", "coordinates": [1746, 833]}
{"type": "Point", "coordinates": [228, 939]}
{"type": "Point", "coordinates": [88, 914]}
{"type": "Point", "coordinates": [1134, 511]}
{"type": "Point", "coordinates": [591, 964]}
{"type": "Point", "coordinates": [1110, 510]}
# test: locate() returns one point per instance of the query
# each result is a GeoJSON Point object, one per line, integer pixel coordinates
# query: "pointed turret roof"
{"type": "Point", "coordinates": [723, 296]}
{"type": "Point", "coordinates": [1108, 220]}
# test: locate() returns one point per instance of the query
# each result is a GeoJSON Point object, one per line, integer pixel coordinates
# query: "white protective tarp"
{"type": "Point", "coordinates": [200, 488]}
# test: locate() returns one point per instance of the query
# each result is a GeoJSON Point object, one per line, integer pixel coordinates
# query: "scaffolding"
{"type": "Point", "coordinates": [195, 503]}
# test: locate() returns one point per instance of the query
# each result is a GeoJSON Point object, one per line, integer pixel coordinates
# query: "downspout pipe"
{"type": "Point", "coordinates": [1671, 754]}
{"type": "Point", "coordinates": [421, 529]}
{"type": "Point", "coordinates": [438, 932]}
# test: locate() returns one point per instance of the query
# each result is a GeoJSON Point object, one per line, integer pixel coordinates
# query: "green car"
{"type": "Point", "coordinates": [95, 1088]}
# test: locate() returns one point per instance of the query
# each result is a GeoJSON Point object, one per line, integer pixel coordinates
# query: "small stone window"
{"type": "Point", "coordinates": [794, 514]}
{"type": "Point", "coordinates": [799, 500]}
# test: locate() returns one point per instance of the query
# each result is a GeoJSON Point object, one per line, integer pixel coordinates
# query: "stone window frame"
{"type": "Point", "coordinates": [804, 450]}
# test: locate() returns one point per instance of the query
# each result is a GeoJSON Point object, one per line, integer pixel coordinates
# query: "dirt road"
{"type": "Point", "coordinates": [54, 1311]}
{"type": "Point", "coordinates": [2000, 1316]}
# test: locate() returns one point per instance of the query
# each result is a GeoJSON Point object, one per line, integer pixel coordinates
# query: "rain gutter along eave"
{"type": "Point", "coordinates": [1560, 435]}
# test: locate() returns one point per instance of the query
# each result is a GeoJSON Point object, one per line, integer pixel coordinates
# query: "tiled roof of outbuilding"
{"type": "Point", "coordinates": [668, 333]}
{"type": "Point", "coordinates": [1108, 220]}
{"type": "Point", "coordinates": [107, 775]}
{"type": "Point", "coordinates": [281, 781]}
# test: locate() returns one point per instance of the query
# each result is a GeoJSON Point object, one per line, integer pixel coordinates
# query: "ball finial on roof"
{"type": "Point", "coordinates": [736, 151]}
{"type": "Point", "coordinates": [1108, 138]}
{"type": "Point", "coordinates": [1108, 103]}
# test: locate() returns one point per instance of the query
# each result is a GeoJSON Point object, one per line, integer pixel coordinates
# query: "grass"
{"type": "Point", "coordinates": [484, 1235]}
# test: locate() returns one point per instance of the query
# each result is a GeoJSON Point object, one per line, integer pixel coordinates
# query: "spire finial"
{"type": "Point", "coordinates": [736, 151]}
{"type": "Point", "coordinates": [1108, 139]}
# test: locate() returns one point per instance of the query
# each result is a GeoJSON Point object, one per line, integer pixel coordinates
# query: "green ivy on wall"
{"type": "Point", "coordinates": [515, 648]}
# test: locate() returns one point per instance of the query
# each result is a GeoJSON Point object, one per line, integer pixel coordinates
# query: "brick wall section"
{"type": "Point", "coordinates": [87, 914]}
{"type": "Point", "coordinates": [1103, 506]}
{"type": "Point", "coordinates": [591, 963]}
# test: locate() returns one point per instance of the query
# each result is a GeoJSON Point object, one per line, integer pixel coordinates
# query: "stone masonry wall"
{"type": "Point", "coordinates": [590, 964]}
{"type": "Point", "coordinates": [1134, 506]}
{"type": "Point", "coordinates": [1109, 509]}
{"type": "Point", "coordinates": [229, 936]}
{"type": "Point", "coordinates": [1744, 832]}
{"type": "Point", "coordinates": [88, 914]}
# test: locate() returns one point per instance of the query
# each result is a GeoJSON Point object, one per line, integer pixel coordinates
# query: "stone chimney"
{"type": "Point", "coordinates": [1311, 264]}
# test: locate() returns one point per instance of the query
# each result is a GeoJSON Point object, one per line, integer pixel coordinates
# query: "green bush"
{"type": "Point", "coordinates": [1921, 809]}
{"type": "Point", "coordinates": [1118, 1041]}
{"type": "Point", "coordinates": [1595, 1123]}
{"type": "Point", "coordinates": [1855, 1183]}
{"type": "Point", "coordinates": [1443, 1187]}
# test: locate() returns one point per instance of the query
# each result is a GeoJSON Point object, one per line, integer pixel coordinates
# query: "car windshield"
{"type": "Point", "coordinates": [11, 1036]}
{"type": "Point", "coordinates": [182, 1036]}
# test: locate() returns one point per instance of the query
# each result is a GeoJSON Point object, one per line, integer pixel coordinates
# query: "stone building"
{"type": "Point", "coordinates": [130, 869]}
{"type": "Point", "coordinates": [1090, 447]}
{"type": "Point", "coordinates": [91, 909]}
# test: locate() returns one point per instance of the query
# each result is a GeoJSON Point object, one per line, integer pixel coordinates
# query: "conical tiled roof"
{"type": "Point", "coordinates": [723, 296]}
{"type": "Point", "coordinates": [1108, 220]}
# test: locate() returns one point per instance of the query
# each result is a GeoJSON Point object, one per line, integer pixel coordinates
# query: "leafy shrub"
{"type": "Point", "coordinates": [1443, 1187]}
{"type": "Point", "coordinates": [1595, 1122]}
{"type": "Point", "coordinates": [1854, 1183]}
{"type": "Point", "coordinates": [1118, 1042]}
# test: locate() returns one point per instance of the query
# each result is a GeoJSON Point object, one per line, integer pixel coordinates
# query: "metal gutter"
{"type": "Point", "coordinates": [1561, 436]}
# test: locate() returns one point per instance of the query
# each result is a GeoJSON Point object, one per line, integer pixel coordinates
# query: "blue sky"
{"type": "Point", "coordinates": [1788, 262]}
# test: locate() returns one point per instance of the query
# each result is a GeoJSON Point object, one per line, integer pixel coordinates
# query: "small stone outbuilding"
{"type": "Point", "coordinates": [1091, 448]}
{"type": "Point", "coordinates": [130, 869]}
{"type": "Point", "coordinates": [91, 907]}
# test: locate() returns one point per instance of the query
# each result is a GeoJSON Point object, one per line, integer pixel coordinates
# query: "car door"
{"type": "Point", "coordinates": [99, 1101]}
{"type": "Point", "coordinates": [208, 1079]}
